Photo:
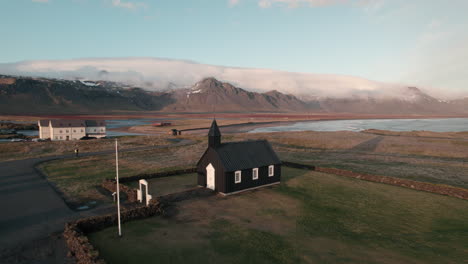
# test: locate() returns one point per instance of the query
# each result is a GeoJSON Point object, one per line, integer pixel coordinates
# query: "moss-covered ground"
{"type": "Point", "coordinates": [310, 218]}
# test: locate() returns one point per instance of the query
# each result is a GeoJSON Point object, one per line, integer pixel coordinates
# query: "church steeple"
{"type": "Point", "coordinates": [214, 135]}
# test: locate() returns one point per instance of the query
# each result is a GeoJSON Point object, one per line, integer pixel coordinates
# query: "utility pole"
{"type": "Point", "coordinates": [117, 181]}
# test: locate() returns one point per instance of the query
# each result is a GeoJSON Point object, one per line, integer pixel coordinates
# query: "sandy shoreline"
{"type": "Point", "coordinates": [273, 116]}
{"type": "Point", "coordinates": [239, 127]}
{"type": "Point", "coordinates": [195, 123]}
{"type": "Point", "coordinates": [233, 128]}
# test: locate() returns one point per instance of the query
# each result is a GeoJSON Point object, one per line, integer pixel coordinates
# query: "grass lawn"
{"type": "Point", "coordinates": [78, 177]}
{"type": "Point", "coordinates": [438, 170]}
{"type": "Point", "coordinates": [167, 185]}
{"type": "Point", "coordinates": [23, 150]}
{"type": "Point", "coordinates": [310, 218]}
{"type": "Point", "coordinates": [422, 156]}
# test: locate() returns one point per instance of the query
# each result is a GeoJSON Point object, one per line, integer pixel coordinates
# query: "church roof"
{"type": "Point", "coordinates": [214, 130]}
{"type": "Point", "coordinates": [246, 155]}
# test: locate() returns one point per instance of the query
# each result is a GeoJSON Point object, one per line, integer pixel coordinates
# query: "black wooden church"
{"type": "Point", "coordinates": [237, 166]}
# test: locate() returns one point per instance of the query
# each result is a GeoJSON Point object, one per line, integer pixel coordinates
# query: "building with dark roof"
{"type": "Point", "coordinates": [237, 166]}
{"type": "Point", "coordinates": [73, 129]}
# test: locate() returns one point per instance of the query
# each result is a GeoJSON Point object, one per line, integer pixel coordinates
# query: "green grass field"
{"type": "Point", "coordinates": [23, 150]}
{"type": "Point", "coordinates": [168, 185]}
{"type": "Point", "coordinates": [310, 218]}
{"type": "Point", "coordinates": [442, 163]}
{"type": "Point", "coordinates": [79, 177]}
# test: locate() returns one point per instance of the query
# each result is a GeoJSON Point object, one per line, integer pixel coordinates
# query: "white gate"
{"type": "Point", "coordinates": [140, 193]}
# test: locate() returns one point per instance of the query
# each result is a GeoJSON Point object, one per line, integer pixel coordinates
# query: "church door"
{"type": "Point", "coordinates": [210, 177]}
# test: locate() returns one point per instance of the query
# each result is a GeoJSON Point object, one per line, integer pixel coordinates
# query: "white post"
{"type": "Point", "coordinates": [117, 181]}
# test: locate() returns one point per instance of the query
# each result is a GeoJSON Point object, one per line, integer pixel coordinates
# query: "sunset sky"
{"type": "Point", "coordinates": [401, 41]}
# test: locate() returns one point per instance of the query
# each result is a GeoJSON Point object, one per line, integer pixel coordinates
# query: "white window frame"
{"type": "Point", "coordinates": [271, 170]}
{"type": "Point", "coordinates": [255, 174]}
{"type": "Point", "coordinates": [235, 176]}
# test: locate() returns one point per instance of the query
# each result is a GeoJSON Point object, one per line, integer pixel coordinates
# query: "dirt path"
{"type": "Point", "coordinates": [369, 145]}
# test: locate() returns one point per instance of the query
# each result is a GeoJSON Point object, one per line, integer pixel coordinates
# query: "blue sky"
{"type": "Point", "coordinates": [411, 41]}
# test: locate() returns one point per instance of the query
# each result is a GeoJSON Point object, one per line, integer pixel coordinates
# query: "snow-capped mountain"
{"type": "Point", "coordinates": [52, 96]}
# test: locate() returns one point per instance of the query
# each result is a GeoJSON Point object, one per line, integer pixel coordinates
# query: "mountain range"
{"type": "Point", "coordinates": [28, 95]}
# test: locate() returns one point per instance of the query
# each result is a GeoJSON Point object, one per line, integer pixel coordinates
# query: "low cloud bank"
{"type": "Point", "coordinates": [160, 74]}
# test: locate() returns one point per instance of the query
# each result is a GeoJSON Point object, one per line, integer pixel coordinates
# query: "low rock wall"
{"type": "Point", "coordinates": [420, 186]}
{"type": "Point", "coordinates": [297, 165]}
{"type": "Point", "coordinates": [157, 175]}
{"type": "Point", "coordinates": [75, 232]}
{"type": "Point", "coordinates": [85, 253]}
{"type": "Point", "coordinates": [185, 195]}
{"type": "Point", "coordinates": [111, 186]}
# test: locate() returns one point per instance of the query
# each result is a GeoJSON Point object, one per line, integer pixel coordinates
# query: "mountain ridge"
{"type": "Point", "coordinates": [46, 96]}
{"type": "Point", "coordinates": [157, 74]}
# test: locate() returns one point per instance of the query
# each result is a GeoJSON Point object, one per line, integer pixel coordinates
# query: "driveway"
{"type": "Point", "coordinates": [31, 210]}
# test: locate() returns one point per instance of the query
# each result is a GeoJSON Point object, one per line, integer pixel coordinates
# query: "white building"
{"type": "Point", "coordinates": [59, 129]}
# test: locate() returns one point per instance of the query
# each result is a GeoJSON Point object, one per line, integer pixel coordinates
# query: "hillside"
{"type": "Point", "coordinates": [411, 101]}
{"type": "Point", "coordinates": [52, 96]}
{"type": "Point", "coordinates": [213, 95]}
{"type": "Point", "coordinates": [25, 95]}
{"type": "Point", "coordinates": [47, 96]}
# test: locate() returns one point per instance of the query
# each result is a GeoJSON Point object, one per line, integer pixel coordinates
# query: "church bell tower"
{"type": "Point", "coordinates": [214, 135]}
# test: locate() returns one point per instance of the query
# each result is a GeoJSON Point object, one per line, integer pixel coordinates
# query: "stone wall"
{"type": "Point", "coordinates": [111, 186]}
{"type": "Point", "coordinates": [85, 253]}
{"type": "Point", "coordinates": [79, 246]}
{"type": "Point", "coordinates": [420, 186]}
{"type": "Point", "coordinates": [75, 232]}
{"type": "Point", "coordinates": [297, 165]}
{"type": "Point", "coordinates": [185, 195]}
{"type": "Point", "coordinates": [157, 175]}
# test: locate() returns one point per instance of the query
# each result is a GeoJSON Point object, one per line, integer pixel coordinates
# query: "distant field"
{"type": "Point", "coordinates": [23, 150]}
{"type": "Point", "coordinates": [441, 161]}
{"type": "Point", "coordinates": [197, 123]}
{"type": "Point", "coordinates": [310, 218]}
{"type": "Point", "coordinates": [435, 160]}
{"type": "Point", "coordinates": [79, 177]}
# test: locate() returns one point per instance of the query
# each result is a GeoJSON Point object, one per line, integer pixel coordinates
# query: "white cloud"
{"type": "Point", "coordinates": [371, 6]}
{"type": "Point", "coordinates": [439, 58]}
{"type": "Point", "coordinates": [233, 2]}
{"type": "Point", "coordinates": [264, 3]}
{"type": "Point", "coordinates": [297, 3]}
{"type": "Point", "coordinates": [154, 74]}
{"type": "Point", "coordinates": [128, 5]}
{"type": "Point", "coordinates": [368, 5]}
